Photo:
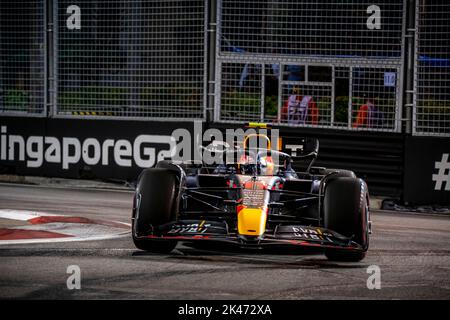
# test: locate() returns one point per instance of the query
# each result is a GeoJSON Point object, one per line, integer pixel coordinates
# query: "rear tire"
{"type": "Point", "coordinates": [340, 173]}
{"type": "Point", "coordinates": [346, 212]}
{"type": "Point", "coordinates": [154, 205]}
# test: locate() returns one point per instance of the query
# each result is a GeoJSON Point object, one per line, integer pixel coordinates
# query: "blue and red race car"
{"type": "Point", "coordinates": [253, 198]}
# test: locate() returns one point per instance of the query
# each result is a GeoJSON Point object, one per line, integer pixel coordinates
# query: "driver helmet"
{"type": "Point", "coordinates": [267, 166]}
{"type": "Point", "coordinates": [246, 163]}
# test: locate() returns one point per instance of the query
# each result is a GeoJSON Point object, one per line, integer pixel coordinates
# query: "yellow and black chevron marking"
{"type": "Point", "coordinates": [92, 113]}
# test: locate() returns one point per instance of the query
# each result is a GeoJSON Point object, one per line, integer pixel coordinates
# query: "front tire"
{"type": "Point", "coordinates": [154, 205]}
{"type": "Point", "coordinates": [346, 211]}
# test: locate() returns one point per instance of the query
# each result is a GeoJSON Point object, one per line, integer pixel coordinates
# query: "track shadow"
{"type": "Point", "coordinates": [220, 248]}
{"type": "Point", "coordinates": [280, 257]}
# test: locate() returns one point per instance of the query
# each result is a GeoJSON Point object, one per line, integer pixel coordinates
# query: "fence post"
{"type": "Point", "coordinates": [53, 50]}
{"type": "Point", "coordinates": [49, 56]}
{"type": "Point", "coordinates": [409, 74]}
{"type": "Point", "coordinates": [211, 77]}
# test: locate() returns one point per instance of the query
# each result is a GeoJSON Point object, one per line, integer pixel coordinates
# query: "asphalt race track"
{"type": "Point", "coordinates": [412, 252]}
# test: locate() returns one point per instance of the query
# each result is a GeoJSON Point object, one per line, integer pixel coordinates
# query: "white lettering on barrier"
{"type": "Point", "coordinates": [67, 156]}
{"type": "Point", "coordinates": [142, 151]}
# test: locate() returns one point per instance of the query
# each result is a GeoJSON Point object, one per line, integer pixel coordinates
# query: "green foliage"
{"type": "Point", "coordinates": [177, 96]}
{"type": "Point", "coordinates": [16, 99]}
{"type": "Point", "coordinates": [271, 105]}
{"type": "Point", "coordinates": [235, 102]}
{"type": "Point", "coordinates": [341, 109]}
{"type": "Point", "coordinates": [91, 97]}
{"type": "Point", "coordinates": [434, 107]}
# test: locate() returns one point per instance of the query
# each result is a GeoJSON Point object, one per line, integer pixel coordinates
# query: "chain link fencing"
{"type": "Point", "coordinates": [23, 58]}
{"type": "Point", "coordinates": [132, 59]}
{"type": "Point", "coordinates": [431, 112]}
{"type": "Point", "coordinates": [334, 64]}
{"type": "Point", "coordinates": [311, 63]}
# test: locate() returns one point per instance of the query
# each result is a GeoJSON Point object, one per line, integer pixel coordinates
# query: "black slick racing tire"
{"type": "Point", "coordinates": [346, 211]}
{"type": "Point", "coordinates": [154, 205]}
{"type": "Point", "coordinates": [340, 173]}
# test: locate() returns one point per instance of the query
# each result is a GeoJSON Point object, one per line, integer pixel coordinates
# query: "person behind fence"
{"type": "Point", "coordinates": [300, 109]}
{"type": "Point", "coordinates": [368, 116]}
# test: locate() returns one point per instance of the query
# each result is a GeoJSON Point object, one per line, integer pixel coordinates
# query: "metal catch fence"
{"type": "Point", "coordinates": [23, 58]}
{"type": "Point", "coordinates": [431, 112]}
{"type": "Point", "coordinates": [131, 58]}
{"type": "Point", "coordinates": [332, 64]}
{"type": "Point", "coordinates": [311, 63]}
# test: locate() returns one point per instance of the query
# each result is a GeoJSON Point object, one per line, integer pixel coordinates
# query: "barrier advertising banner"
{"type": "Point", "coordinates": [427, 170]}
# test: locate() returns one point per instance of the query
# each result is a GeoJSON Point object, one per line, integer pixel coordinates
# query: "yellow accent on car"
{"type": "Point", "coordinates": [252, 221]}
{"type": "Point", "coordinates": [201, 225]}
{"type": "Point", "coordinates": [280, 143]}
{"type": "Point", "coordinates": [257, 135]}
{"type": "Point", "coordinates": [258, 125]}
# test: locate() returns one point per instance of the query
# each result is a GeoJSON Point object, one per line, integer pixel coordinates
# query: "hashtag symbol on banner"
{"type": "Point", "coordinates": [443, 175]}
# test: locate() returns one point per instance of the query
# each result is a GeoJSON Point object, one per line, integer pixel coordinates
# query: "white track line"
{"type": "Point", "coordinates": [72, 239]}
{"type": "Point", "coordinates": [22, 215]}
{"type": "Point", "coordinates": [66, 228]}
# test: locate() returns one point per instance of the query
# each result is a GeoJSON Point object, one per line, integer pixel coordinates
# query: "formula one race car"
{"type": "Point", "coordinates": [254, 200]}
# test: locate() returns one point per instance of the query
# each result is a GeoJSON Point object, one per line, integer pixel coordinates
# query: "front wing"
{"type": "Point", "coordinates": [286, 235]}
